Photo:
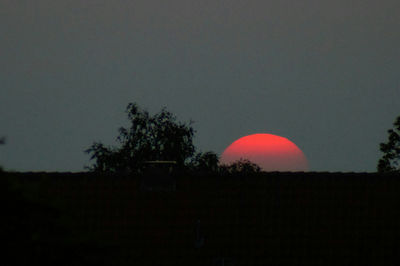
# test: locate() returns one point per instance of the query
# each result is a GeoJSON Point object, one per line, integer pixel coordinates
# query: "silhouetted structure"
{"type": "Point", "coordinates": [260, 219]}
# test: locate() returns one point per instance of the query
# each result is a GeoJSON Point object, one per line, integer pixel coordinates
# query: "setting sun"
{"type": "Point", "coordinates": [270, 152]}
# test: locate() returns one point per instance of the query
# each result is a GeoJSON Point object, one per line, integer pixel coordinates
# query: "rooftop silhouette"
{"type": "Point", "coordinates": [263, 219]}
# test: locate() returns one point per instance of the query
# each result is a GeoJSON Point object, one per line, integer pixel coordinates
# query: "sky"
{"type": "Point", "coordinates": [324, 74]}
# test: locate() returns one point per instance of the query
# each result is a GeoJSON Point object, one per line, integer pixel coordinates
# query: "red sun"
{"type": "Point", "coordinates": [270, 152]}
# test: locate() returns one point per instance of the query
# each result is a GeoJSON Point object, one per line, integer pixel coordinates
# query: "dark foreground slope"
{"type": "Point", "coordinates": [269, 219]}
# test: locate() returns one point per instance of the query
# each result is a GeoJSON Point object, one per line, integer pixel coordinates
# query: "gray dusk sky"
{"type": "Point", "coordinates": [324, 74]}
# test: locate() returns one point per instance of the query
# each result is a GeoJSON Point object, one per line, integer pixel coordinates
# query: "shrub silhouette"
{"type": "Point", "coordinates": [242, 167]}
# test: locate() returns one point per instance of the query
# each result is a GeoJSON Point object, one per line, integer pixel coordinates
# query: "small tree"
{"type": "Point", "coordinates": [148, 138]}
{"type": "Point", "coordinates": [390, 160]}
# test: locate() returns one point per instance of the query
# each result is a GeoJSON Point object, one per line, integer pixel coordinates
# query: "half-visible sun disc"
{"type": "Point", "coordinates": [270, 152]}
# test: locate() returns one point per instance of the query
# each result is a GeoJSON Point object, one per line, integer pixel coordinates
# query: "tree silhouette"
{"type": "Point", "coordinates": [390, 160]}
{"type": "Point", "coordinates": [149, 138]}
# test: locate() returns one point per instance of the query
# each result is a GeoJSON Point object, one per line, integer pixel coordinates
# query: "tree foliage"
{"type": "Point", "coordinates": [148, 138]}
{"type": "Point", "coordinates": [390, 160]}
